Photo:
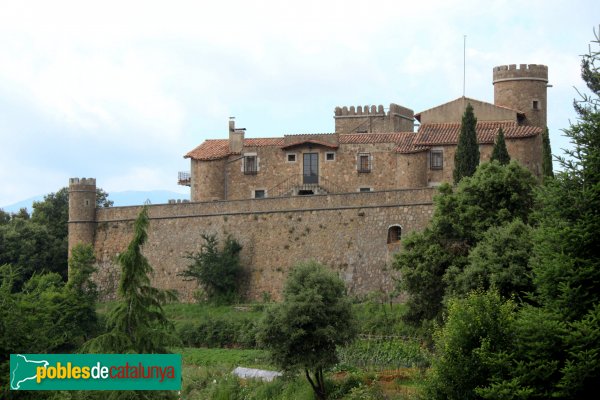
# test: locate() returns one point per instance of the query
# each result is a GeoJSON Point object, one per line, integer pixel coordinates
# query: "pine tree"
{"type": "Point", "coordinates": [466, 158]}
{"type": "Point", "coordinates": [546, 156]}
{"type": "Point", "coordinates": [500, 152]}
{"type": "Point", "coordinates": [138, 323]}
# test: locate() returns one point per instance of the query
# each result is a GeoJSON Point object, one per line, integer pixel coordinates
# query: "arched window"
{"type": "Point", "coordinates": [394, 234]}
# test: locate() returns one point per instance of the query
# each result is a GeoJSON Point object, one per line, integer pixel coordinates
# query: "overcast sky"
{"type": "Point", "coordinates": [121, 90]}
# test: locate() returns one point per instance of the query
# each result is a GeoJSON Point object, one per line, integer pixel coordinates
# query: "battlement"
{"type": "Point", "coordinates": [536, 72]}
{"type": "Point", "coordinates": [359, 110]}
{"type": "Point", "coordinates": [394, 109]}
{"type": "Point", "coordinates": [82, 181]}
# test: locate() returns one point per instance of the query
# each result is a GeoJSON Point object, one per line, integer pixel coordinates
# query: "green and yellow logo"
{"type": "Point", "coordinates": [95, 371]}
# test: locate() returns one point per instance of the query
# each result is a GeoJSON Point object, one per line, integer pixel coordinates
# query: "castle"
{"type": "Point", "coordinates": [344, 198]}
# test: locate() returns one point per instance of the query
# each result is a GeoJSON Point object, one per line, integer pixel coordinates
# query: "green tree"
{"type": "Point", "coordinates": [500, 152]}
{"type": "Point", "coordinates": [315, 316]}
{"type": "Point", "coordinates": [500, 261]}
{"type": "Point", "coordinates": [434, 259]}
{"type": "Point", "coordinates": [137, 323]}
{"type": "Point", "coordinates": [39, 243]}
{"type": "Point", "coordinates": [556, 345]}
{"type": "Point", "coordinates": [219, 272]}
{"type": "Point", "coordinates": [466, 158]}
{"type": "Point", "coordinates": [547, 171]}
{"type": "Point", "coordinates": [476, 327]}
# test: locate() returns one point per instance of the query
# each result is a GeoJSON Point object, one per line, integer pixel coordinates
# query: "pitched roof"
{"type": "Point", "coordinates": [436, 134]}
{"type": "Point", "coordinates": [429, 134]}
{"type": "Point", "coordinates": [211, 149]}
{"type": "Point", "coordinates": [214, 149]}
{"type": "Point", "coordinates": [310, 141]}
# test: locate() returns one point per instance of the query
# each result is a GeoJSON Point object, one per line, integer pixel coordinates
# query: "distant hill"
{"type": "Point", "coordinates": [127, 198]}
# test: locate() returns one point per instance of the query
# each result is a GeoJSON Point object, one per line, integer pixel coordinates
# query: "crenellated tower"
{"type": "Point", "coordinates": [82, 211]}
{"type": "Point", "coordinates": [373, 119]}
{"type": "Point", "coordinates": [523, 88]}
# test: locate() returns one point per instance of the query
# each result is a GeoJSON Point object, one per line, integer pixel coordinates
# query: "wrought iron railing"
{"type": "Point", "coordinates": [184, 179]}
{"type": "Point", "coordinates": [294, 184]}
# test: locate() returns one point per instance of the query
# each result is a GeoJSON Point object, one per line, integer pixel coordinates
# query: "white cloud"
{"type": "Point", "coordinates": [122, 82]}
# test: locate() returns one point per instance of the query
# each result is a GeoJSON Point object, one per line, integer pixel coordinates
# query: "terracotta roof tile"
{"type": "Point", "coordinates": [430, 134]}
{"type": "Point", "coordinates": [310, 141]}
{"type": "Point", "coordinates": [360, 138]}
{"type": "Point", "coordinates": [447, 133]}
{"type": "Point", "coordinates": [211, 149]}
{"type": "Point", "coordinates": [263, 142]}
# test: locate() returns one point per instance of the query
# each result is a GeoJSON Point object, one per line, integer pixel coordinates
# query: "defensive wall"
{"type": "Point", "coordinates": [347, 232]}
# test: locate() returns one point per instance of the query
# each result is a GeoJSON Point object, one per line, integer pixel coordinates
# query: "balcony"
{"type": "Point", "coordinates": [184, 179]}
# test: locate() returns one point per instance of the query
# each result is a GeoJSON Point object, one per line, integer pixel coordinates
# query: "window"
{"type": "Point", "coordinates": [365, 189]}
{"type": "Point", "coordinates": [260, 194]}
{"type": "Point", "coordinates": [394, 234]}
{"type": "Point", "coordinates": [330, 156]}
{"type": "Point", "coordinates": [364, 162]}
{"type": "Point", "coordinates": [250, 165]}
{"type": "Point", "coordinates": [436, 159]}
{"type": "Point", "coordinates": [535, 105]}
{"type": "Point", "coordinates": [291, 157]}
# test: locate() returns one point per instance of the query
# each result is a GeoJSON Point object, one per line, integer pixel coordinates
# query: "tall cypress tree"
{"type": "Point", "coordinates": [138, 323]}
{"type": "Point", "coordinates": [466, 158]}
{"type": "Point", "coordinates": [500, 152]}
{"type": "Point", "coordinates": [546, 156]}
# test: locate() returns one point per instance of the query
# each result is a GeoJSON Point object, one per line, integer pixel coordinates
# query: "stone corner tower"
{"type": "Point", "coordinates": [82, 211]}
{"type": "Point", "coordinates": [523, 88]}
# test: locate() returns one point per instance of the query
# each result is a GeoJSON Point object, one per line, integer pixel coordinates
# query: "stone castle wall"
{"type": "Point", "coordinates": [373, 119]}
{"type": "Point", "coordinates": [347, 232]}
{"type": "Point", "coordinates": [518, 87]}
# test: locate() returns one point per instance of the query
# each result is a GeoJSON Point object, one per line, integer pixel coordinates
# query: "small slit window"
{"type": "Point", "coordinates": [260, 194]}
{"type": "Point", "coordinates": [291, 157]}
{"type": "Point", "coordinates": [364, 189]}
{"type": "Point", "coordinates": [535, 105]}
{"type": "Point", "coordinates": [330, 156]}
{"type": "Point", "coordinates": [394, 234]}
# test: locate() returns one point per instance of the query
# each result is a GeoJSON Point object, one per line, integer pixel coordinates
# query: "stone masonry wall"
{"type": "Point", "coordinates": [346, 232]}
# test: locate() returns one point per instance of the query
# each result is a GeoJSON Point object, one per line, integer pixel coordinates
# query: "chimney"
{"type": "Point", "coordinates": [236, 137]}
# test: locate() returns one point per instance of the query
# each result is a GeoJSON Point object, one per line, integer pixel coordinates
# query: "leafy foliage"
{"type": "Point", "coordinates": [477, 326]}
{"type": "Point", "coordinates": [45, 317]}
{"type": "Point", "coordinates": [434, 260]}
{"type": "Point", "coordinates": [554, 344]}
{"type": "Point", "coordinates": [314, 318]}
{"type": "Point", "coordinates": [500, 152]}
{"type": "Point", "coordinates": [466, 158]}
{"type": "Point", "coordinates": [500, 261]}
{"type": "Point", "coordinates": [38, 243]}
{"type": "Point", "coordinates": [137, 324]}
{"type": "Point", "coordinates": [219, 272]}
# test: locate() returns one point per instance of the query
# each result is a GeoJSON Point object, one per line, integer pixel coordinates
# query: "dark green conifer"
{"type": "Point", "coordinates": [546, 156]}
{"type": "Point", "coordinates": [500, 152]}
{"type": "Point", "coordinates": [138, 323]}
{"type": "Point", "coordinates": [466, 158]}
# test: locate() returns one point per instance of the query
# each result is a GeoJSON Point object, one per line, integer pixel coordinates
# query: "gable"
{"type": "Point", "coordinates": [454, 110]}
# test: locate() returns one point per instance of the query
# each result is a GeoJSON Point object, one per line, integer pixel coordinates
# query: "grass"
{"type": "Point", "coordinates": [384, 363]}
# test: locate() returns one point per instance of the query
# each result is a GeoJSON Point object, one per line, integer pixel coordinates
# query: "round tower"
{"type": "Point", "coordinates": [82, 211]}
{"type": "Point", "coordinates": [523, 88]}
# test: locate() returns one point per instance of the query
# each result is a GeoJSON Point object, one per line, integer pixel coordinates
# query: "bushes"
{"type": "Point", "coordinates": [219, 332]}
{"type": "Point", "coordinates": [384, 354]}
